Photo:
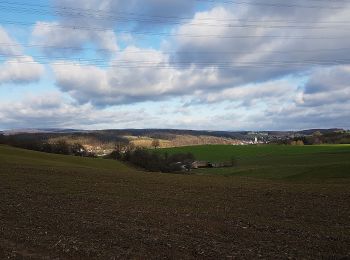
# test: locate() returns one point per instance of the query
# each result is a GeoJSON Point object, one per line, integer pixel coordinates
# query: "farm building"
{"type": "Point", "coordinates": [201, 164]}
{"type": "Point", "coordinates": [221, 164]}
{"type": "Point", "coordinates": [205, 164]}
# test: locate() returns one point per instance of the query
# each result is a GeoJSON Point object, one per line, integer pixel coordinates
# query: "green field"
{"type": "Point", "coordinates": [279, 202]}
{"type": "Point", "coordinates": [323, 162]}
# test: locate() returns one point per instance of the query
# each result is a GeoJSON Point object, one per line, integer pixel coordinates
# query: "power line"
{"type": "Point", "coordinates": [169, 52]}
{"type": "Point", "coordinates": [101, 11]}
{"type": "Point", "coordinates": [151, 18]}
{"type": "Point", "coordinates": [112, 14]}
{"type": "Point", "coordinates": [256, 24]}
{"type": "Point", "coordinates": [295, 37]}
{"type": "Point", "coordinates": [160, 66]}
{"type": "Point", "coordinates": [326, 1]}
{"type": "Point", "coordinates": [252, 24]}
{"type": "Point", "coordinates": [171, 62]}
{"type": "Point", "coordinates": [152, 64]}
{"type": "Point", "coordinates": [271, 4]}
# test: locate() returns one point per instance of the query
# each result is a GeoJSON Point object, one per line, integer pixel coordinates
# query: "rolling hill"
{"type": "Point", "coordinates": [54, 206]}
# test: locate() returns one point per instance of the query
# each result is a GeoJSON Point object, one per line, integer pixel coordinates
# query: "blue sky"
{"type": "Point", "coordinates": [189, 64]}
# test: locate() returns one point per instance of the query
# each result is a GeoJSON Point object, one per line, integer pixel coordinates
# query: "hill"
{"type": "Point", "coordinates": [63, 207]}
{"type": "Point", "coordinates": [102, 142]}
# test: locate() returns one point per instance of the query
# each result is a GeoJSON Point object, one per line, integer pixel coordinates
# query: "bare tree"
{"type": "Point", "coordinates": [155, 143]}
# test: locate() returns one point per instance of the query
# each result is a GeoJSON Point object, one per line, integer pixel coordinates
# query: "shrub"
{"type": "Point", "coordinates": [156, 162]}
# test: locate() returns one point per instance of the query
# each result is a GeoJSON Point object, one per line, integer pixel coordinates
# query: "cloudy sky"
{"type": "Point", "coordinates": [189, 64]}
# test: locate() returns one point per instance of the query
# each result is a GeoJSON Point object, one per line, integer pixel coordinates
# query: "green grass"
{"type": "Point", "coordinates": [298, 163]}
{"type": "Point", "coordinates": [289, 163]}
{"type": "Point", "coordinates": [26, 157]}
{"type": "Point", "coordinates": [225, 152]}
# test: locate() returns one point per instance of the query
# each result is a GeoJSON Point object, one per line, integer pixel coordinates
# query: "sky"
{"type": "Point", "coordinates": [184, 64]}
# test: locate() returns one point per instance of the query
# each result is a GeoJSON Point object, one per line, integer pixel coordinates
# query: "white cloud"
{"type": "Point", "coordinates": [136, 82]}
{"type": "Point", "coordinates": [20, 71]}
{"type": "Point", "coordinates": [327, 86]}
{"type": "Point", "coordinates": [217, 67]}
{"type": "Point", "coordinates": [54, 110]}
{"type": "Point", "coordinates": [111, 12]}
{"type": "Point", "coordinates": [83, 22]}
{"type": "Point", "coordinates": [8, 46]}
{"type": "Point", "coordinates": [279, 90]}
{"type": "Point", "coordinates": [59, 36]}
{"type": "Point", "coordinates": [329, 79]}
{"type": "Point", "coordinates": [17, 67]}
{"type": "Point", "coordinates": [269, 51]}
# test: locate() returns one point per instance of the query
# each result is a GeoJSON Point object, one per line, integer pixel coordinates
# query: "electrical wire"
{"type": "Point", "coordinates": [220, 36]}
{"type": "Point", "coordinates": [43, 46]}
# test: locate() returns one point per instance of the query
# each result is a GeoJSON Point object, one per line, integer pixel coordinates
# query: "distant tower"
{"type": "Point", "coordinates": [256, 140]}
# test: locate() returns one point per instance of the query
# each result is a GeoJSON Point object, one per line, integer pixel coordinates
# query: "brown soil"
{"type": "Point", "coordinates": [52, 213]}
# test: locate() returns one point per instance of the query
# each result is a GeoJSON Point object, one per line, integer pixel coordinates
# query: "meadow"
{"type": "Point", "coordinates": [303, 163]}
{"type": "Point", "coordinates": [65, 207]}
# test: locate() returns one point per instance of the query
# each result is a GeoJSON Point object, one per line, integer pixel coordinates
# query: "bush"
{"type": "Point", "coordinates": [2, 139]}
{"type": "Point", "coordinates": [155, 162]}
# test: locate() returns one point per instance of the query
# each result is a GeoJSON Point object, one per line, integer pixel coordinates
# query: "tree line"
{"type": "Point", "coordinates": [152, 160]}
{"type": "Point", "coordinates": [36, 143]}
{"type": "Point", "coordinates": [339, 137]}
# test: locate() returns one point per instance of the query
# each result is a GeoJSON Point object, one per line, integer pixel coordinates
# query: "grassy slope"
{"type": "Point", "coordinates": [26, 157]}
{"type": "Point", "coordinates": [78, 208]}
{"type": "Point", "coordinates": [277, 162]}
